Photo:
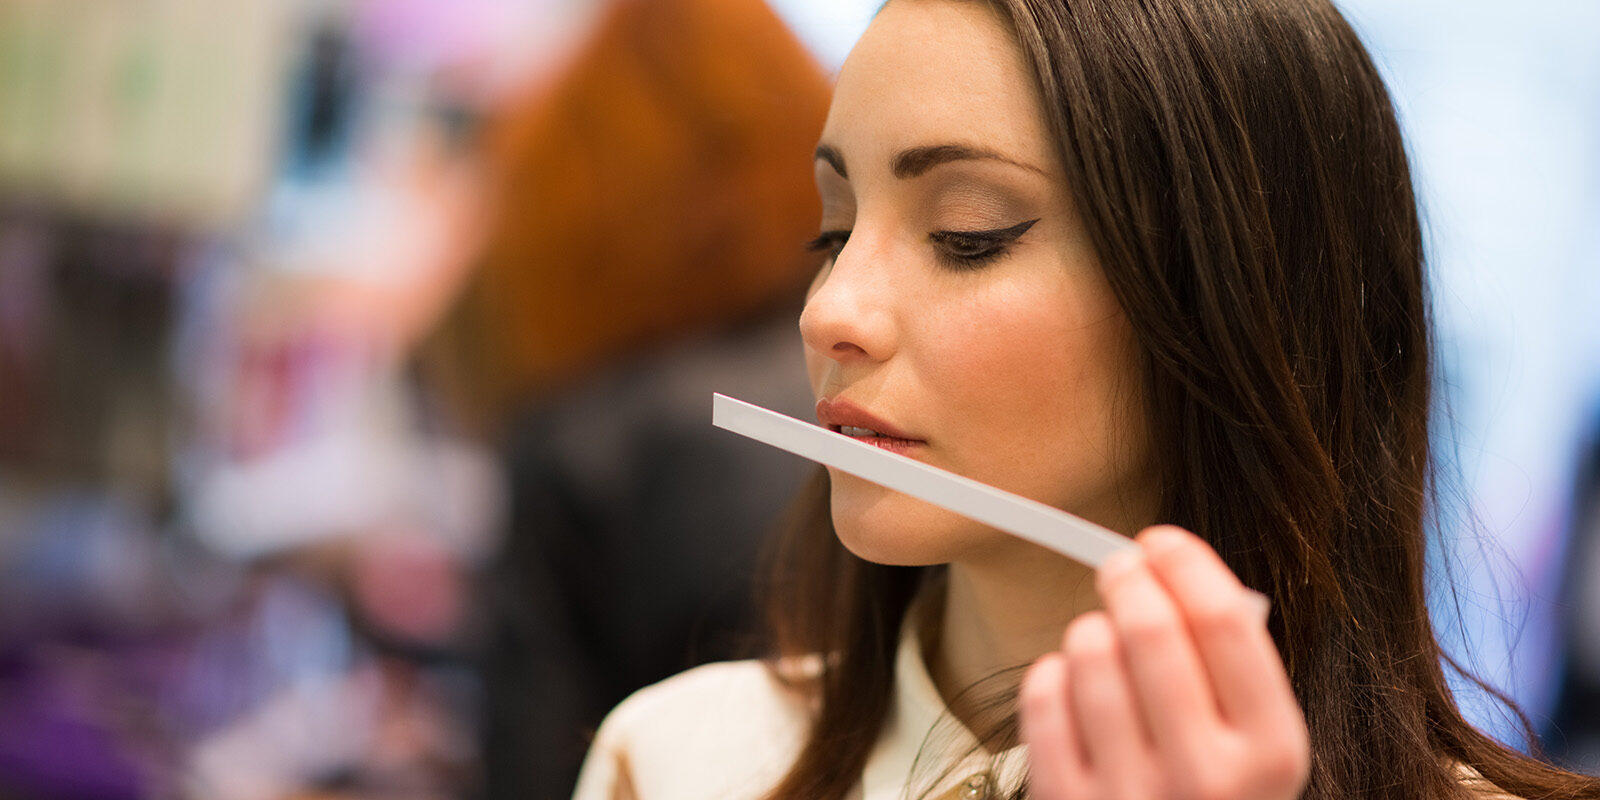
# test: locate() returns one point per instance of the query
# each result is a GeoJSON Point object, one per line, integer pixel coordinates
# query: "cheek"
{"type": "Point", "coordinates": [1013, 348]}
{"type": "Point", "coordinates": [1041, 387]}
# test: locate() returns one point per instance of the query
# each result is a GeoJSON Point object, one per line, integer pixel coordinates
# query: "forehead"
{"type": "Point", "coordinates": [932, 72]}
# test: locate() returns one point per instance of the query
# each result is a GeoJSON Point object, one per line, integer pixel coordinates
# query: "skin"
{"type": "Point", "coordinates": [1019, 370]}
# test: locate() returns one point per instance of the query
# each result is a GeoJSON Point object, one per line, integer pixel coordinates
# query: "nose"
{"type": "Point", "coordinates": [849, 315]}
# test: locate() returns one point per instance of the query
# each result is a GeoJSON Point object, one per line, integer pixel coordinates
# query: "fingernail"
{"type": "Point", "coordinates": [1163, 538]}
{"type": "Point", "coordinates": [1262, 604]}
{"type": "Point", "coordinates": [1119, 563]}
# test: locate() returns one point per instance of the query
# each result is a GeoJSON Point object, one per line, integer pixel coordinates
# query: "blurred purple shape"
{"type": "Point", "coordinates": [51, 746]}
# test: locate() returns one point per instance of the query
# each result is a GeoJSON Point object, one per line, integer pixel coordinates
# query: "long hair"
{"type": "Point", "coordinates": [1242, 175]}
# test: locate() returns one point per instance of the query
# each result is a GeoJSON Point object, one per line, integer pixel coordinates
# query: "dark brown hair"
{"type": "Point", "coordinates": [1241, 171]}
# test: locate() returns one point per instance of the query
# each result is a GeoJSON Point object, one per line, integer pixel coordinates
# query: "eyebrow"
{"type": "Point", "coordinates": [916, 161]}
{"type": "Point", "coordinates": [830, 155]}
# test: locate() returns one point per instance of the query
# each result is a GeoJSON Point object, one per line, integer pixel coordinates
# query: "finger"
{"type": "Point", "coordinates": [1226, 619]}
{"type": "Point", "coordinates": [1170, 683]}
{"type": "Point", "coordinates": [1103, 707]}
{"type": "Point", "coordinates": [1056, 754]}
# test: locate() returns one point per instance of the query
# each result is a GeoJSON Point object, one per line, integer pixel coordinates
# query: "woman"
{"type": "Point", "coordinates": [1147, 262]}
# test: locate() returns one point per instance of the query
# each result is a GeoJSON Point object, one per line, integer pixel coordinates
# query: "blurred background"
{"type": "Point", "coordinates": [354, 362]}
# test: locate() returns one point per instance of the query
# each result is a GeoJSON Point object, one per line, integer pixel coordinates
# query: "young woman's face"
{"type": "Point", "coordinates": [964, 311]}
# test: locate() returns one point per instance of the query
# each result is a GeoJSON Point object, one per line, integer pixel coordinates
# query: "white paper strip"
{"type": "Point", "coordinates": [1071, 536]}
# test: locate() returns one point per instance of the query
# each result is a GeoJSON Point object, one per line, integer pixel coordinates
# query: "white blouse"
{"type": "Point", "coordinates": [732, 730]}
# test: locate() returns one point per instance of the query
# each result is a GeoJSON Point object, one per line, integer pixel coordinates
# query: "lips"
{"type": "Point", "coordinates": [843, 416]}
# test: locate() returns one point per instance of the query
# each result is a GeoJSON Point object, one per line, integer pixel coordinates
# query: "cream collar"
{"type": "Point", "coordinates": [919, 723]}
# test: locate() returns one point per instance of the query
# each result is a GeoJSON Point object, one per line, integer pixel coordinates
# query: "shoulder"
{"type": "Point", "coordinates": [711, 702]}
{"type": "Point", "coordinates": [723, 730]}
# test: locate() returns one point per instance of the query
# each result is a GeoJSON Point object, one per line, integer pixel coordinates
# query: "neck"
{"type": "Point", "coordinates": [997, 615]}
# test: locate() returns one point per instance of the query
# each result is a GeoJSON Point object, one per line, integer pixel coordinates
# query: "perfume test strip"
{"type": "Point", "coordinates": [1049, 527]}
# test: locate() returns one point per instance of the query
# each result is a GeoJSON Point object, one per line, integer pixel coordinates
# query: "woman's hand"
{"type": "Point", "coordinates": [1175, 690]}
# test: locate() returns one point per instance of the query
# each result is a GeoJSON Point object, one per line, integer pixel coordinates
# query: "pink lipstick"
{"type": "Point", "coordinates": [843, 416]}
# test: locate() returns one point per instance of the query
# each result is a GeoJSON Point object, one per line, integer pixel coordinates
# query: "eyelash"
{"type": "Point", "coordinates": [957, 250]}
{"type": "Point", "coordinates": [830, 242]}
{"type": "Point", "coordinates": [969, 250]}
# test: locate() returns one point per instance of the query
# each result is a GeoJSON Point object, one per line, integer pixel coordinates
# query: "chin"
{"type": "Point", "coordinates": [887, 527]}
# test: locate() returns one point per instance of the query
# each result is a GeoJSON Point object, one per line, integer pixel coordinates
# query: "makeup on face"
{"type": "Point", "coordinates": [1069, 535]}
{"type": "Point", "coordinates": [969, 209]}
{"type": "Point", "coordinates": [962, 310]}
{"type": "Point", "coordinates": [842, 416]}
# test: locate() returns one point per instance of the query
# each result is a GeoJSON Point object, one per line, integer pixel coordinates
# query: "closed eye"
{"type": "Point", "coordinates": [967, 250]}
{"type": "Point", "coordinates": [830, 242]}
